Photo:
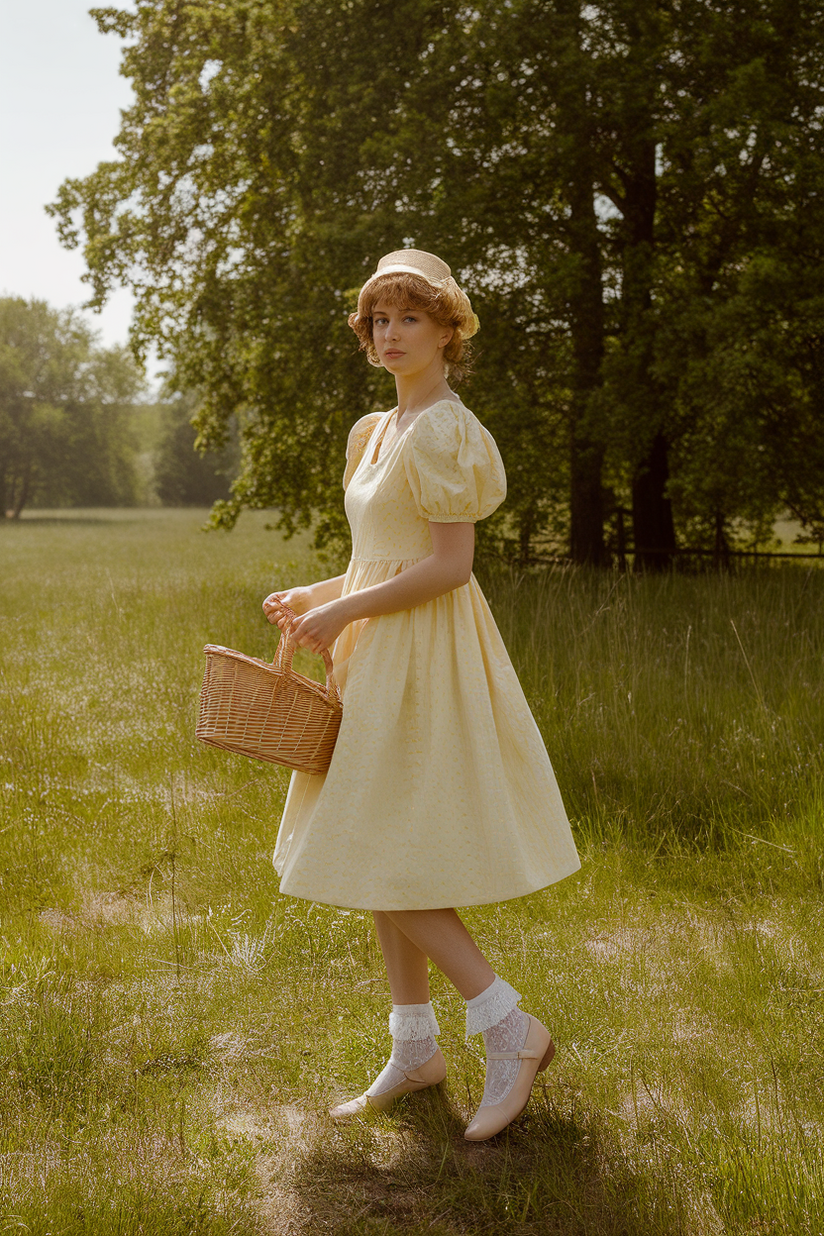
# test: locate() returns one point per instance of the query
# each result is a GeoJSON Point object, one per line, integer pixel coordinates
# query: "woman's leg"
{"type": "Point", "coordinates": [406, 965]}
{"type": "Point", "coordinates": [441, 936]}
{"type": "Point", "coordinates": [413, 1023]}
{"type": "Point", "coordinates": [415, 1062]}
{"type": "Point", "coordinates": [408, 938]}
{"type": "Point", "coordinates": [517, 1045]}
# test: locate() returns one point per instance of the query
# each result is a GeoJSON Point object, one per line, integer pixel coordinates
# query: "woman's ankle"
{"type": "Point", "coordinates": [414, 1028]}
{"type": "Point", "coordinates": [491, 1006]}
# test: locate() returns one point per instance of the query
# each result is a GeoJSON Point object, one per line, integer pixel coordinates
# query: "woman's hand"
{"type": "Point", "coordinates": [299, 600]}
{"type": "Point", "coordinates": [315, 628]}
{"type": "Point", "coordinates": [321, 626]}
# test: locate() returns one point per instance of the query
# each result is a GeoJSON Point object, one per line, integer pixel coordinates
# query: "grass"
{"type": "Point", "coordinates": [172, 1031]}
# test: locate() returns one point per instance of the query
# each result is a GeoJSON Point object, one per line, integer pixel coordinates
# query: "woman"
{"type": "Point", "coordinates": [440, 793]}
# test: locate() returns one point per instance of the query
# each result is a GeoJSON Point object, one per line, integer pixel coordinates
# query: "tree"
{"type": "Point", "coordinates": [63, 430]}
{"type": "Point", "coordinates": [183, 475]}
{"type": "Point", "coordinates": [601, 176]}
{"type": "Point", "coordinates": [741, 339]}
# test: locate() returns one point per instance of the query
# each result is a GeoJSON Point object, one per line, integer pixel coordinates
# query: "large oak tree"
{"type": "Point", "coordinates": [629, 189]}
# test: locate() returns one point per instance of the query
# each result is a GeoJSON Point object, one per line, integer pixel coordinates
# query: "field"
{"type": "Point", "coordinates": [172, 1030]}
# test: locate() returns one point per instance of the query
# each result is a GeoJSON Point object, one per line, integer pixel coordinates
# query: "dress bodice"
{"type": "Point", "coordinates": [445, 468]}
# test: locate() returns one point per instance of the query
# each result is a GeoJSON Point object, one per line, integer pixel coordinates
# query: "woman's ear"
{"type": "Point", "coordinates": [446, 337]}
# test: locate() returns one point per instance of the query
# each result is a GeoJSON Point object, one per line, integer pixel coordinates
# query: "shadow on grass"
{"type": "Point", "coordinates": [557, 1170]}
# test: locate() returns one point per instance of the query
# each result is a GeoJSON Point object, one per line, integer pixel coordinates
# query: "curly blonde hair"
{"type": "Point", "coordinates": [447, 304]}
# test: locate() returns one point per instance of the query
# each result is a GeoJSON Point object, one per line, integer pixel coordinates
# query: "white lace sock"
{"type": "Point", "coordinates": [496, 1015]}
{"type": "Point", "coordinates": [413, 1028]}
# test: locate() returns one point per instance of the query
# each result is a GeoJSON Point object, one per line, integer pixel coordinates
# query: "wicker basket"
{"type": "Point", "coordinates": [267, 711]}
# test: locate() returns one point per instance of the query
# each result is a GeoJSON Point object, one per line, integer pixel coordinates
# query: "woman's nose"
{"type": "Point", "coordinates": [391, 330]}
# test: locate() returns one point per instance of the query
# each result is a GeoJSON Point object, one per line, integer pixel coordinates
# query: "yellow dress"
{"type": "Point", "coordinates": [440, 792]}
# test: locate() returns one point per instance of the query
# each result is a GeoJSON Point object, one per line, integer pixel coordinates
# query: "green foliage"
{"type": "Point", "coordinates": [184, 476]}
{"type": "Point", "coordinates": [630, 191]}
{"type": "Point", "coordinates": [64, 401]}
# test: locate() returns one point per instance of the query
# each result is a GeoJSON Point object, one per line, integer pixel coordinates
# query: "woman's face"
{"type": "Point", "coordinates": [408, 341]}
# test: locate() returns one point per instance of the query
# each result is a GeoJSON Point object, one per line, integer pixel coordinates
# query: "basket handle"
{"type": "Point", "coordinates": [286, 650]}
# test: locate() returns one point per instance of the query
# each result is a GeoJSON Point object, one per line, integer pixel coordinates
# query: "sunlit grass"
{"type": "Point", "coordinates": [172, 1031]}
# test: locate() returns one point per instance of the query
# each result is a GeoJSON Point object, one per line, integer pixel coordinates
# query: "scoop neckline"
{"type": "Point", "coordinates": [373, 463]}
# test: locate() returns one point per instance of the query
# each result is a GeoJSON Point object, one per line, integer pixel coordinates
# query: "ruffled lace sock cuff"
{"type": "Point", "coordinates": [413, 1028]}
{"type": "Point", "coordinates": [491, 1006]}
{"type": "Point", "coordinates": [413, 1021]}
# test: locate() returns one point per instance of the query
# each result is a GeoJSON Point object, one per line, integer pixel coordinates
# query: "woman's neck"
{"type": "Point", "coordinates": [417, 393]}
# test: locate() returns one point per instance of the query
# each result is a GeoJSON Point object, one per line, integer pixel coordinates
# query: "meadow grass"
{"type": "Point", "coordinates": [172, 1030]}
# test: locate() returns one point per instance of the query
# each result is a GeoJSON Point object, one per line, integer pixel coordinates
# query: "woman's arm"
{"type": "Point", "coordinates": [301, 600]}
{"type": "Point", "coordinates": [447, 567]}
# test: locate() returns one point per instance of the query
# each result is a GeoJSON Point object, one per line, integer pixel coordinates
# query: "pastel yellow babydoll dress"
{"type": "Point", "coordinates": [440, 791]}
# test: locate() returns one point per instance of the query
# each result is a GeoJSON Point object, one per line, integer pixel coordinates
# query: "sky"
{"type": "Point", "coordinates": [60, 101]}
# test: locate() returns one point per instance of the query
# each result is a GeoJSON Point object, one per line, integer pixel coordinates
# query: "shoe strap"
{"type": "Point", "coordinates": [523, 1054]}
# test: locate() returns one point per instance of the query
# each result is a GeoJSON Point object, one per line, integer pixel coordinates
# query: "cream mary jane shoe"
{"type": "Point", "coordinates": [535, 1055]}
{"type": "Point", "coordinates": [430, 1073]}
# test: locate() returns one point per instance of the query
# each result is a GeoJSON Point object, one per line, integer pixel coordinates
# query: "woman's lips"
{"type": "Point", "coordinates": [392, 353]}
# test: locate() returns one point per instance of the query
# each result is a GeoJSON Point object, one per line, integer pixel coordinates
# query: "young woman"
{"type": "Point", "coordinates": [440, 793]}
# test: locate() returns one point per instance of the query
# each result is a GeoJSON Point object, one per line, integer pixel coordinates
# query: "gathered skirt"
{"type": "Point", "coordinates": [440, 791]}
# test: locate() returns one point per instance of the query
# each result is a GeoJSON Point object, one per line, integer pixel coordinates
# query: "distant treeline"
{"type": "Point", "coordinates": [74, 430]}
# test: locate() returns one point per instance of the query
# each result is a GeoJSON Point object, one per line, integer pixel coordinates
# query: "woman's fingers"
{"type": "Point", "coordinates": [273, 607]}
{"type": "Point", "coordinates": [297, 635]}
{"type": "Point", "coordinates": [300, 633]}
{"type": "Point", "coordinates": [294, 599]}
{"type": "Point", "coordinates": [315, 629]}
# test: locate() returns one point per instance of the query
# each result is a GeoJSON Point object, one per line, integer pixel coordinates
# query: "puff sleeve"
{"type": "Point", "coordinates": [453, 466]}
{"type": "Point", "coordinates": [359, 435]}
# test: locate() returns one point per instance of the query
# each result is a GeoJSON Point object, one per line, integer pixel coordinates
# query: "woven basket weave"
{"type": "Point", "coordinates": [267, 711]}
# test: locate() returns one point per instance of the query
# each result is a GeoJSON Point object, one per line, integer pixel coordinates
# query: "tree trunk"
{"type": "Point", "coordinates": [621, 538]}
{"type": "Point", "coordinates": [645, 404]}
{"type": "Point", "coordinates": [586, 306]}
{"type": "Point", "coordinates": [21, 493]}
{"type": "Point", "coordinates": [721, 547]}
{"type": "Point", "coordinates": [652, 521]}
{"type": "Point", "coordinates": [586, 540]}
{"type": "Point", "coordinates": [587, 455]}
{"type": "Point", "coordinates": [653, 529]}
{"type": "Point", "coordinates": [525, 531]}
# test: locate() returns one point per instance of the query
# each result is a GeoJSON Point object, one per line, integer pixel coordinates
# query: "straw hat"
{"type": "Point", "coordinates": [436, 273]}
{"type": "Point", "coordinates": [413, 262]}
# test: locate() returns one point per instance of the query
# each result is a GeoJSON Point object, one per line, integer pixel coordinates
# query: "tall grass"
{"type": "Point", "coordinates": [680, 708]}
{"type": "Point", "coordinates": [171, 1030]}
